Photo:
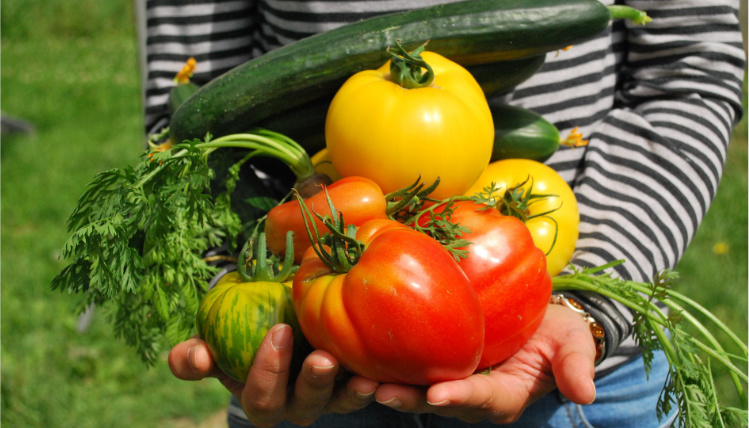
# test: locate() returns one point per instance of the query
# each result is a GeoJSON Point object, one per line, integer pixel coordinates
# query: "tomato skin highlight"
{"type": "Point", "coordinates": [405, 313]}
{"type": "Point", "coordinates": [563, 221]}
{"type": "Point", "coordinates": [358, 198]}
{"type": "Point", "coordinates": [377, 129]}
{"type": "Point", "coordinates": [509, 276]}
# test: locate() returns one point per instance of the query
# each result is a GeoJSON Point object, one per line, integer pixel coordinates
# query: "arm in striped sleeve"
{"type": "Point", "coordinates": [653, 164]}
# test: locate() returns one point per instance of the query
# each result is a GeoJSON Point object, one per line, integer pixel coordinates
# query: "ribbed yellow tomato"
{"type": "Point", "coordinates": [378, 129]}
{"type": "Point", "coordinates": [555, 233]}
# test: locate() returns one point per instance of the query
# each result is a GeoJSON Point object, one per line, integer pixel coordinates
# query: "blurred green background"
{"type": "Point", "coordinates": [70, 68]}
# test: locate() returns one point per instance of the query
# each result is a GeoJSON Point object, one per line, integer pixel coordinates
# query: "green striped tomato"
{"type": "Point", "coordinates": [235, 315]}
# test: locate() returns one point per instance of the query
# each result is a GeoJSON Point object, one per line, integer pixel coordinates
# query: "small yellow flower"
{"type": "Point", "coordinates": [185, 74]}
{"type": "Point", "coordinates": [158, 148]}
{"type": "Point", "coordinates": [720, 248]}
{"type": "Point", "coordinates": [574, 139]}
{"type": "Point", "coordinates": [564, 49]}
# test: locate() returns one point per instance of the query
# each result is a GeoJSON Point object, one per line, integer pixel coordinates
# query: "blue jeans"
{"type": "Point", "coordinates": [624, 398]}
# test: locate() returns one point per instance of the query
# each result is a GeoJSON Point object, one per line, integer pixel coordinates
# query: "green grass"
{"type": "Point", "coordinates": [70, 68]}
{"type": "Point", "coordinates": [713, 270]}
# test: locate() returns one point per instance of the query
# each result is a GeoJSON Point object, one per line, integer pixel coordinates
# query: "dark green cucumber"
{"type": "Point", "coordinates": [496, 78]}
{"type": "Point", "coordinates": [306, 124]}
{"type": "Point", "coordinates": [522, 134]}
{"type": "Point", "coordinates": [469, 32]}
{"type": "Point", "coordinates": [180, 93]}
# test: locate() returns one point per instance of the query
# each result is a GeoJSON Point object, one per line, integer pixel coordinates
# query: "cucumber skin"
{"type": "Point", "coordinates": [522, 134]}
{"type": "Point", "coordinates": [496, 78]}
{"type": "Point", "coordinates": [180, 93]}
{"type": "Point", "coordinates": [468, 32]}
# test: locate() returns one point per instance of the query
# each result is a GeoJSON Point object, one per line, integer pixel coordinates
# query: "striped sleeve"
{"type": "Point", "coordinates": [656, 153]}
{"type": "Point", "coordinates": [654, 161]}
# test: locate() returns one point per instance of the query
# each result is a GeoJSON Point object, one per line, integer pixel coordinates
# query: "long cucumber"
{"type": "Point", "coordinates": [469, 32]}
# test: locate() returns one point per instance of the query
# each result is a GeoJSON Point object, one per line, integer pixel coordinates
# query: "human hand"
{"type": "Point", "coordinates": [321, 387]}
{"type": "Point", "coordinates": [559, 355]}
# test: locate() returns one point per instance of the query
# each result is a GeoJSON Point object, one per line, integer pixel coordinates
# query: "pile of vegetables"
{"type": "Point", "coordinates": [422, 237]}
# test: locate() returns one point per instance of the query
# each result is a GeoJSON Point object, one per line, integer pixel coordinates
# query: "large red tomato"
{"type": "Point", "coordinates": [404, 313]}
{"type": "Point", "coordinates": [509, 275]}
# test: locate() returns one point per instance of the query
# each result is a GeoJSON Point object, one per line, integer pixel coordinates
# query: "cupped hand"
{"type": "Point", "coordinates": [559, 355]}
{"type": "Point", "coordinates": [321, 387]}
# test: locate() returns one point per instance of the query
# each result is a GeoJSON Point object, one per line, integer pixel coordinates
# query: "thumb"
{"type": "Point", "coordinates": [574, 377]}
{"type": "Point", "coordinates": [191, 360]}
{"type": "Point", "coordinates": [573, 364]}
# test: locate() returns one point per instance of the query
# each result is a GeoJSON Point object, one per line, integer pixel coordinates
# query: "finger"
{"type": "Point", "coordinates": [574, 369]}
{"type": "Point", "coordinates": [264, 396]}
{"type": "Point", "coordinates": [191, 360]}
{"type": "Point", "coordinates": [474, 399]}
{"type": "Point", "coordinates": [357, 393]}
{"type": "Point", "coordinates": [473, 392]}
{"type": "Point", "coordinates": [480, 397]}
{"type": "Point", "coordinates": [403, 397]}
{"type": "Point", "coordinates": [314, 387]}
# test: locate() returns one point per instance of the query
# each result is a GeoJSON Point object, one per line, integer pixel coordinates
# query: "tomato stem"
{"type": "Point", "coordinates": [409, 199]}
{"type": "Point", "coordinates": [254, 265]}
{"type": "Point", "coordinates": [406, 68]}
{"type": "Point", "coordinates": [338, 248]}
{"type": "Point", "coordinates": [515, 201]}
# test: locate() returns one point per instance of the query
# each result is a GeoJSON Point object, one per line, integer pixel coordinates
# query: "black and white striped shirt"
{"type": "Point", "coordinates": [657, 103]}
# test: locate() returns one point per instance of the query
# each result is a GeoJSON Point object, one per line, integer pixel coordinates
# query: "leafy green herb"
{"type": "Point", "coordinates": [139, 235]}
{"type": "Point", "coordinates": [690, 384]}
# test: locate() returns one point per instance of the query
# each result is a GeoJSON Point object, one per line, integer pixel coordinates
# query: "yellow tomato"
{"type": "Point", "coordinates": [323, 165]}
{"type": "Point", "coordinates": [392, 135]}
{"type": "Point", "coordinates": [555, 233]}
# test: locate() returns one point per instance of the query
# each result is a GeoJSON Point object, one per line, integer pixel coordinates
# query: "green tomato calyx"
{"type": "Point", "coordinates": [407, 69]}
{"type": "Point", "coordinates": [254, 265]}
{"type": "Point", "coordinates": [337, 247]}
{"type": "Point", "coordinates": [515, 201]}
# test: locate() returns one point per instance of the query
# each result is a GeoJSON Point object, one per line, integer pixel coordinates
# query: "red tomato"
{"type": "Point", "coordinates": [509, 275]}
{"type": "Point", "coordinates": [404, 313]}
{"type": "Point", "coordinates": [359, 199]}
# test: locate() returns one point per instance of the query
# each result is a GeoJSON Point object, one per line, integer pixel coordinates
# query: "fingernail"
{"type": "Point", "coordinates": [593, 384]}
{"type": "Point", "coordinates": [364, 395]}
{"type": "Point", "coordinates": [319, 371]}
{"type": "Point", "coordinates": [393, 403]}
{"type": "Point", "coordinates": [191, 357]}
{"type": "Point", "coordinates": [441, 403]}
{"type": "Point", "coordinates": [281, 337]}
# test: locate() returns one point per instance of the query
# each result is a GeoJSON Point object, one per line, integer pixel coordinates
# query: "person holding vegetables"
{"type": "Point", "coordinates": [657, 104]}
